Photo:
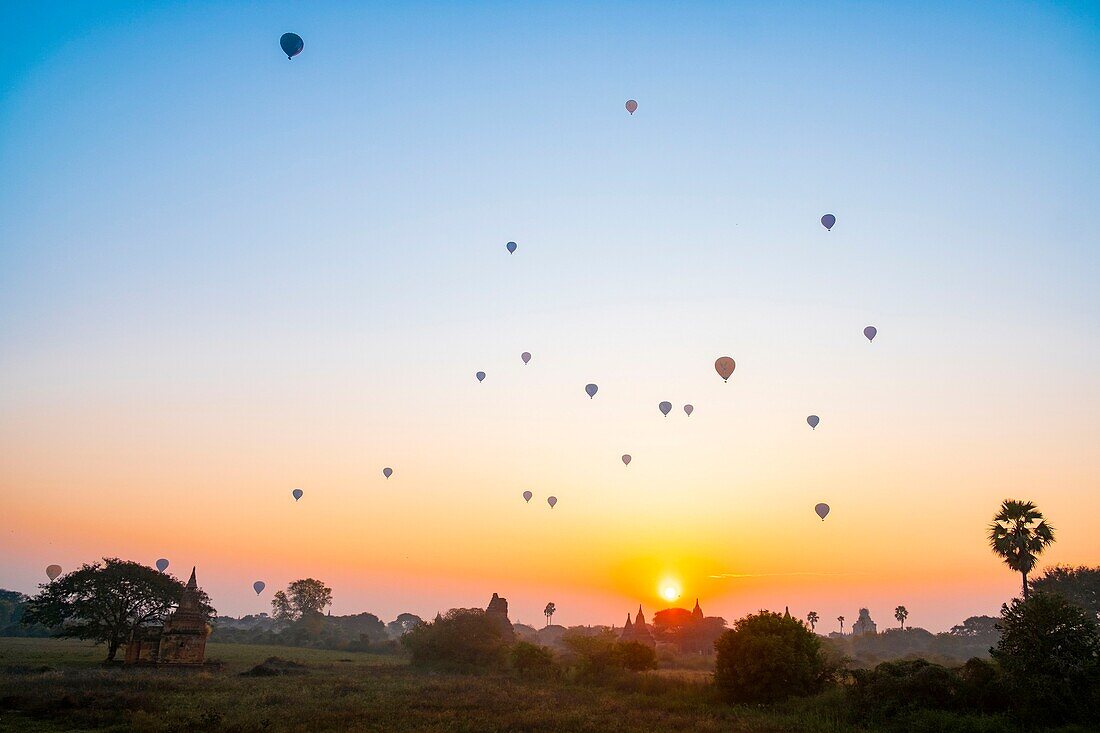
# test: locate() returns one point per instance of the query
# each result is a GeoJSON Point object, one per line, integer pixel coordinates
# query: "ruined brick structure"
{"type": "Point", "coordinates": [182, 638]}
{"type": "Point", "coordinates": [498, 611]}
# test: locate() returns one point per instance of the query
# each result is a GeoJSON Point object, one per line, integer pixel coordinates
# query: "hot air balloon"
{"type": "Point", "coordinates": [526, 356]}
{"type": "Point", "coordinates": [551, 500]}
{"type": "Point", "coordinates": [822, 511]}
{"type": "Point", "coordinates": [689, 409]}
{"type": "Point", "coordinates": [292, 44]}
{"type": "Point", "coordinates": [527, 496]}
{"type": "Point", "coordinates": [259, 586]}
{"type": "Point", "coordinates": [724, 365]}
{"type": "Point", "coordinates": [162, 564]}
{"type": "Point", "coordinates": [591, 389]}
{"type": "Point", "coordinates": [387, 471]}
{"type": "Point", "coordinates": [52, 571]}
{"type": "Point", "coordinates": [626, 459]}
{"type": "Point", "coordinates": [813, 420]}
{"type": "Point", "coordinates": [511, 247]}
{"type": "Point", "coordinates": [480, 376]}
{"type": "Point", "coordinates": [828, 221]}
{"type": "Point", "coordinates": [665, 408]}
{"type": "Point", "coordinates": [631, 106]}
{"type": "Point", "coordinates": [297, 494]}
{"type": "Point", "coordinates": [870, 332]}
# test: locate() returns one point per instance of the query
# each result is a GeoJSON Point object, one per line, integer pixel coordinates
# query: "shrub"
{"type": "Point", "coordinates": [532, 660]}
{"type": "Point", "coordinates": [464, 638]}
{"type": "Point", "coordinates": [894, 688]}
{"type": "Point", "coordinates": [601, 654]}
{"type": "Point", "coordinates": [634, 656]}
{"type": "Point", "coordinates": [767, 658]}
{"type": "Point", "coordinates": [1050, 653]}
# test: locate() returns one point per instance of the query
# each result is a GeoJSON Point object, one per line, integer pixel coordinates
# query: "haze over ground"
{"type": "Point", "coordinates": [224, 275]}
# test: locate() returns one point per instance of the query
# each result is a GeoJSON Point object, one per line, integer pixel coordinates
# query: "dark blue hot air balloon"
{"type": "Point", "coordinates": [511, 247]}
{"type": "Point", "coordinates": [292, 44]}
{"type": "Point", "coordinates": [828, 221]}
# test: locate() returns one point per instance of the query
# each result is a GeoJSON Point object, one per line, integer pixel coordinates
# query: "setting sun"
{"type": "Point", "coordinates": [670, 592]}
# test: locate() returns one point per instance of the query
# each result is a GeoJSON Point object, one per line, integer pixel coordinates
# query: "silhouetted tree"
{"type": "Point", "coordinates": [901, 613]}
{"type": "Point", "coordinates": [841, 620]}
{"type": "Point", "coordinates": [767, 658]}
{"type": "Point", "coordinates": [105, 601]}
{"type": "Point", "coordinates": [301, 598]}
{"type": "Point", "coordinates": [403, 624]}
{"type": "Point", "coordinates": [1050, 653]}
{"type": "Point", "coordinates": [812, 618]}
{"type": "Point", "coordinates": [976, 626]}
{"type": "Point", "coordinates": [1077, 585]}
{"type": "Point", "coordinates": [1019, 533]}
{"type": "Point", "coordinates": [549, 612]}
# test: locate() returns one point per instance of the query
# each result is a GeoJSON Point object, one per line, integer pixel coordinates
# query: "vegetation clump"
{"type": "Point", "coordinates": [767, 658]}
{"type": "Point", "coordinates": [463, 638]}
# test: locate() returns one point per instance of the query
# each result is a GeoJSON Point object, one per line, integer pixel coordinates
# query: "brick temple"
{"type": "Point", "coordinates": [182, 638]}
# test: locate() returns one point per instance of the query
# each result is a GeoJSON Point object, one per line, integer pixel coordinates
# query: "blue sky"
{"type": "Point", "coordinates": [193, 226]}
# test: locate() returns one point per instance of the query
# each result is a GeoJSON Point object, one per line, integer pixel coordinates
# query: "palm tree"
{"type": "Point", "coordinates": [1019, 534]}
{"type": "Point", "coordinates": [812, 618]}
{"type": "Point", "coordinates": [549, 612]}
{"type": "Point", "coordinates": [841, 620]}
{"type": "Point", "coordinates": [901, 613]}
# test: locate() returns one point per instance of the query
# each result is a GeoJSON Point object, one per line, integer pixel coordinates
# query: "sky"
{"type": "Point", "coordinates": [225, 275]}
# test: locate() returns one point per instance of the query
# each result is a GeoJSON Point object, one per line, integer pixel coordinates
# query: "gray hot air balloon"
{"type": "Point", "coordinates": [292, 44]}
{"type": "Point", "coordinates": [480, 376]}
{"type": "Point", "coordinates": [52, 571]}
{"type": "Point", "coordinates": [387, 471]}
{"type": "Point", "coordinates": [626, 459]}
{"type": "Point", "coordinates": [526, 356]}
{"type": "Point", "coordinates": [511, 246]}
{"type": "Point", "coordinates": [828, 221]}
{"type": "Point", "coordinates": [527, 496]}
{"type": "Point", "coordinates": [665, 408]}
{"type": "Point", "coordinates": [631, 106]}
{"type": "Point", "coordinates": [591, 389]}
{"type": "Point", "coordinates": [813, 420]}
{"type": "Point", "coordinates": [822, 511]}
{"type": "Point", "coordinates": [689, 409]}
{"type": "Point", "coordinates": [870, 332]}
{"type": "Point", "coordinates": [162, 564]}
{"type": "Point", "coordinates": [259, 586]}
{"type": "Point", "coordinates": [551, 500]}
{"type": "Point", "coordinates": [297, 494]}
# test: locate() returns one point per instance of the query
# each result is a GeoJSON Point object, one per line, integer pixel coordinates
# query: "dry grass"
{"type": "Point", "coordinates": [344, 691]}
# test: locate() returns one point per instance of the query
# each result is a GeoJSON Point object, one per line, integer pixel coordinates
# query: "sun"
{"type": "Point", "coordinates": [670, 592]}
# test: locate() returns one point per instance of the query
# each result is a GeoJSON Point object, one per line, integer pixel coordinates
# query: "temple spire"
{"type": "Point", "coordinates": [192, 584]}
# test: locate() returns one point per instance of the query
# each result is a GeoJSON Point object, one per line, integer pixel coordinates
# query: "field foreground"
{"type": "Point", "coordinates": [59, 685]}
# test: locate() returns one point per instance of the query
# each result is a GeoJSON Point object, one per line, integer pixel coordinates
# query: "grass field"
{"type": "Point", "coordinates": [343, 691]}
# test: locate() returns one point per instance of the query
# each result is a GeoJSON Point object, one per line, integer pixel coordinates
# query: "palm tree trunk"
{"type": "Point", "coordinates": [1025, 584]}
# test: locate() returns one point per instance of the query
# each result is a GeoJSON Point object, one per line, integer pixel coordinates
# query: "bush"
{"type": "Point", "coordinates": [1050, 653]}
{"type": "Point", "coordinates": [634, 656]}
{"type": "Point", "coordinates": [464, 638]}
{"type": "Point", "coordinates": [766, 658]}
{"type": "Point", "coordinates": [895, 688]}
{"type": "Point", "coordinates": [532, 660]}
{"type": "Point", "coordinates": [601, 654]}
